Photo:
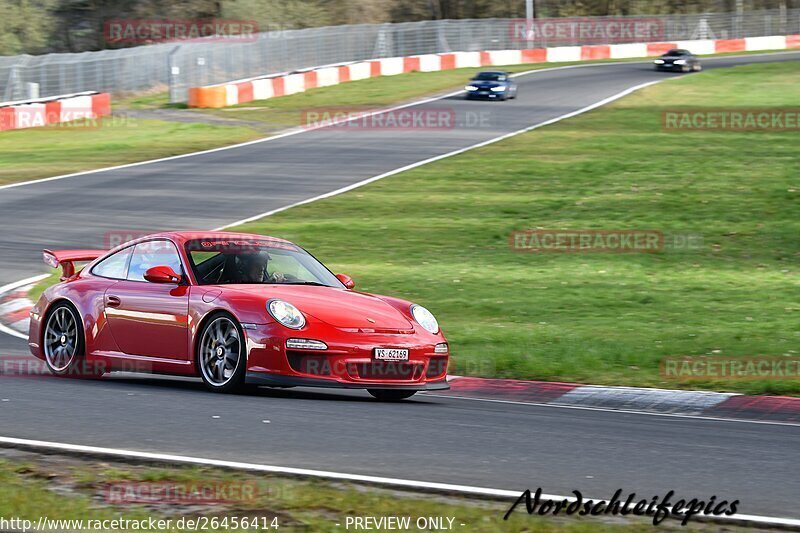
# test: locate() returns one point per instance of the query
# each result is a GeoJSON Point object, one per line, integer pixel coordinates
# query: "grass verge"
{"type": "Point", "coordinates": [78, 146]}
{"type": "Point", "coordinates": [66, 488]}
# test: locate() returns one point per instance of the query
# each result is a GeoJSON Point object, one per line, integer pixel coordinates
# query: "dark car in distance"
{"type": "Point", "coordinates": [490, 85]}
{"type": "Point", "coordinates": [679, 60]}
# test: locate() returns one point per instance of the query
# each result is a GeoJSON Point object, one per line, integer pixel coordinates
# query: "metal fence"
{"type": "Point", "coordinates": [178, 66]}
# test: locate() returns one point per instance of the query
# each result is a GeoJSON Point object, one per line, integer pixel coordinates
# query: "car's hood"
{"type": "Point", "coordinates": [338, 307]}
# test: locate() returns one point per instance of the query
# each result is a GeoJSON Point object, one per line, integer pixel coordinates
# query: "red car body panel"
{"type": "Point", "coordinates": [153, 327]}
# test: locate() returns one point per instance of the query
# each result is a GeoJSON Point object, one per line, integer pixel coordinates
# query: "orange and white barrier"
{"type": "Point", "coordinates": [239, 92]}
{"type": "Point", "coordinates": [44, 111]}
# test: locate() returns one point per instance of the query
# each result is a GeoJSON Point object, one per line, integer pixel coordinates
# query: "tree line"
{"type": "Point", "coordinates": [45, 26]}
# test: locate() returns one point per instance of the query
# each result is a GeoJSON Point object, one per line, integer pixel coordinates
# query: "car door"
{"type": "Point", "coordinates": [150, 319]}
{"type": "Point", "coordinates": [105, 274]}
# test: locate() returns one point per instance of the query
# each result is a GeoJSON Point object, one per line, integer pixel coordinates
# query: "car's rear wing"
{"type": "Point", "coordinates": [66, 259]}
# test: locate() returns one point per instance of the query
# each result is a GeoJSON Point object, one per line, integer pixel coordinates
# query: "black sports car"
{"type": "Point", "coordinates": [680, 60]}
{"type": "Point", "coordinates": [491, 85]}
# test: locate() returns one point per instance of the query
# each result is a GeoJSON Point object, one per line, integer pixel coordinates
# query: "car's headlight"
{"type": "Point", "coordinates": [286, 314]}
{"type": "Point", "coordinates": [498, 89]}
{"type": "Point", "coordinates": [425, 318]}
{"type": "Point", "coordinates": [680, 61]}
{"type": "Point", "coordinates": [471, 88]}
{"type": "Point", "coordinates": [659, 61]}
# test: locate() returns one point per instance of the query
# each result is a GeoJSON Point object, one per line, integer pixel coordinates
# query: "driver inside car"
{"type": "Point", "coordinates": [253, 269]}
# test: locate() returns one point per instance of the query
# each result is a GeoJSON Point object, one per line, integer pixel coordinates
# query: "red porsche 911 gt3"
{"type": "Point", "coordinates": [234, 309]}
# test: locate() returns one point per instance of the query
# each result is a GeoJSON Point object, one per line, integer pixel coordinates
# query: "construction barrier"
{"type": "Point", "coordinates": [42, 112]}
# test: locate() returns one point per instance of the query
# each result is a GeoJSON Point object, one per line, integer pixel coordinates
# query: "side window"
{"type": "Point", "coordinates": [153, 253]}
{"type": "Point", "coordinates": [114, 266]}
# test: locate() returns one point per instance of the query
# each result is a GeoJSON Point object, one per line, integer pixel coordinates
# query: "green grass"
{"type": "Point", "coordinates": [62, 149]}
{"type": "Point", "coordinates": [438, 235]}
{"type": "Point", "coordinates": [51, 279]}
{"type": "Point", "coordinates": [67, 488]}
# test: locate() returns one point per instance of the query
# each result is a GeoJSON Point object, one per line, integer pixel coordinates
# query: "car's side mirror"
{"type": "Point", "coordinates": [162, 274]}
{"type": "Point", "coordinates": [347, 280]}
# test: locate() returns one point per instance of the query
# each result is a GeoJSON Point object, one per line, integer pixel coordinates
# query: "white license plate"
{"type": "Point", "coordinates": [391, 354]}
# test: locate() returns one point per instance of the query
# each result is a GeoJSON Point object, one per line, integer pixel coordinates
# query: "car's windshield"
{"type": "Point", "coordinates": [490, 76]}
{"type": "Point", "coordinates": [224, 261]}
{"type": "Point", "coordinates": [676, 53]}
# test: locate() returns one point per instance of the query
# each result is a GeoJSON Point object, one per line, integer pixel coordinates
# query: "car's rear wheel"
{"type": "Point", "coordinates": [221, 354]}
{"type": "Point", "coordinates": [63, 343]}
{"type": "Point", "coordinates": [391, 395]}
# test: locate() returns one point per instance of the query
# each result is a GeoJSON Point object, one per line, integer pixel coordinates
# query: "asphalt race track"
{"type": "Point", "coordinates": [431, 438]}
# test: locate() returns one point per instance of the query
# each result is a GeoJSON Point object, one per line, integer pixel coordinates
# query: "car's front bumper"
{"type": "Point", "coordinates": [349, 360]}
{"type": "Point", "coordinates": [276, 380]}
{"type": "Point", "coordinates": [485, 95]}
{"type": "Point", "coordinates": [672, 66]}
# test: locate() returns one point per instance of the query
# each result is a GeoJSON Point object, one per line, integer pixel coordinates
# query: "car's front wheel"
{"type": "Point", "coordinates": [63, 344]}
{"type": "Point", "coordinates": [391, 395]}
{"type": "Point", "coordinates": [221, 356]}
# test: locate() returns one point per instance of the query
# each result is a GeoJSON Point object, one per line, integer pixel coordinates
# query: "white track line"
{"type": "Point", "coordinates": [16, 285]}
{"type": "Point", "coordinates": [610, 410]}
{"type": "Point", "coordinates": [78, 449]}
{"type": "Point", "coordinates": [295, 131]}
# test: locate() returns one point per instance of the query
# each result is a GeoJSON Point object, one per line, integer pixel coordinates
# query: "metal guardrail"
{"type": "Point", "coordinates": [178, 66]}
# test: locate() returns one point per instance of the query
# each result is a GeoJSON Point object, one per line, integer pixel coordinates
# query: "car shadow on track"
{"type": "Point", "coordinates": [187, 384]}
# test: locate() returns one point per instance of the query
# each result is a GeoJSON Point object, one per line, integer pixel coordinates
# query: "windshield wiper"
{"type": "Point", "coordinates": [315, 283]}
